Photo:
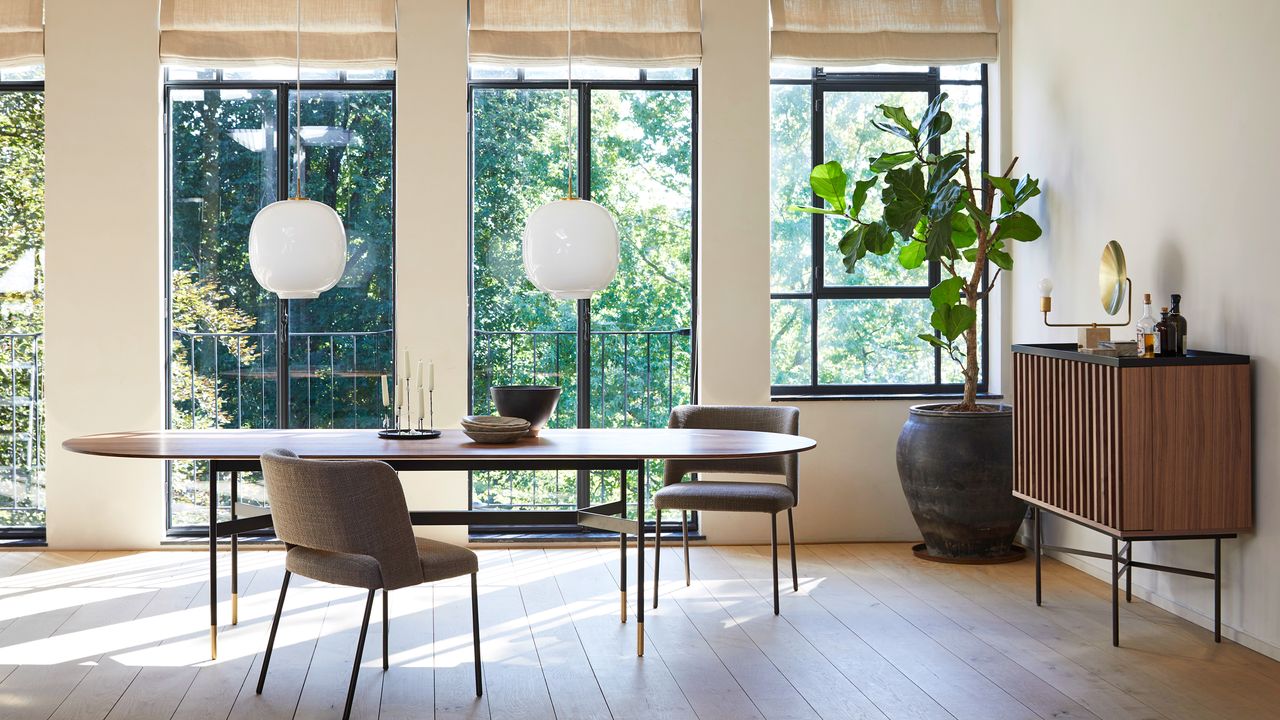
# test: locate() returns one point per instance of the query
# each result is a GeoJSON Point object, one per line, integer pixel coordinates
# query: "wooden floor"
{"type": "Point", "coordinates": [873, 633]}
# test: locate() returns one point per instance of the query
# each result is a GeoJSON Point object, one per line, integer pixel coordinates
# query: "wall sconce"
{"type": "Point", "coordinates": [1115, 290]}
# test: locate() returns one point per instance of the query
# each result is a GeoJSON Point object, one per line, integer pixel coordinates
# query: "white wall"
{"type": "Point", "coordinates": [1152, 122]}
{"type": "Point", "coordinates": [104, 321]}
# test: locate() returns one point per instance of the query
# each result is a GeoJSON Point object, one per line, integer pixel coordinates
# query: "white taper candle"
{"type": "Point", "coordinates": [431, 376]}
{"type": "Point", "coordinates": [386, 398]}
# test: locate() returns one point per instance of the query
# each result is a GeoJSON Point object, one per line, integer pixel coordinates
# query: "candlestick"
{"type": "Point", "coordinates": [408, 404]}
{"type": "Point", "coordinates": [422, 407]}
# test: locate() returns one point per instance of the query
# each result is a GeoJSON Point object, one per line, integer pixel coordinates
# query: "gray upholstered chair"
{"type": "Point", "coordinates": [763, 497]}
{"type": "Point", "coordinates": [347, 523]}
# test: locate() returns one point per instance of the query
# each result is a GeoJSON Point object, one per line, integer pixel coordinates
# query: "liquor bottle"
{"type": "Point", "coordinates": [1179, 323]}
{"type": "Point", "coordinates": [1147, 330]}
{"type": "Point", "coordinates": [1164, 335]}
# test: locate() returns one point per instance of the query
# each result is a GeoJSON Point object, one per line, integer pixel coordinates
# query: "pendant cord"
{"type": "Point", "coordinates": [569, 135]}
{"type": "Point", "coordinates": [298, 106]}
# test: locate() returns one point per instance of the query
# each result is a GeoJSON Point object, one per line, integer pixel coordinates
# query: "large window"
{"type": "Point", "coordinates": [834, 333]}
{"type": "Point", "coordinates": [624, 358]}
{"type": "Point", "coordinates": [231, 151]}
{"type": "Point", "coordinates": [22, 496]}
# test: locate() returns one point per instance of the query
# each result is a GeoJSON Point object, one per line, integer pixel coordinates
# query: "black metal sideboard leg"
{"type": "Point", "coordinates": [1036, 542]}
{"type": "Point", "coordinates": [1217, 590]}
{"type": "Point", "coordinates": [235, 554]}
{"type": "Point", "coordinates": [622, 547]}
{"type": "Point", "coordinates": [640, 512]}
{"type": "Point", "coordinates": [1115, 592]}
{"type": "Point", "coordinates": [213, 560]}
{"type": "Point", "coordinates": [1128, 571]}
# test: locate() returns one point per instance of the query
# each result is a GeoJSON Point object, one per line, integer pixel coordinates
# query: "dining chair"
{"type": "Point", "coordinates": [732, 496]}
{"type": "Point", "coordinates": [346, 522]}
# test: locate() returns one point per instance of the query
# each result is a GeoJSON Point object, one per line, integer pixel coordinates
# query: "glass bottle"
{"type": "Point", "coordinates": [1147, 329]}
{"type": "Point", "coordinates": [1179, 323]}
{"type": "Point", "coordinates": [1164, 332]}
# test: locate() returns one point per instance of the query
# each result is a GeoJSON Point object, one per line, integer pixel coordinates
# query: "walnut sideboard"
{"type": "Point", "coordinates": [1140, 449]}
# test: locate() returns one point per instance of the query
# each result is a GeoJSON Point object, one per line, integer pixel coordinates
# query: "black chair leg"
{"type": "Point", "coordinates": [657, 553]}
{"type": "Point", "coordinates": [275, 625]}
{"type": "Point", "coordinates": [355, 667]}
{"type": "Point", "coordinates": [773, 533]}
{"type": "Point", "coordinates": [795, 573]}
{"type": "Point", "coordinates": [475, 633]}
{"type": "Point", "coordinates": [386, 631]}
{"type": "Point", "coordinates": [684, 532]}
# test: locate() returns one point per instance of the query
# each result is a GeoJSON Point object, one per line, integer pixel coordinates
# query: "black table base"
{"type": "Point", "coordinates": [608, 517]}
{"type": "Point", "coordinates": [1122, 565]}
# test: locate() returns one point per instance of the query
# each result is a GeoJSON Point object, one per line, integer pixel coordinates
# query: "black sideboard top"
{"type": "Point", "coordinates": [1070, 351]}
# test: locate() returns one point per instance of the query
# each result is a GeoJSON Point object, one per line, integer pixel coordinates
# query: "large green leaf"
{"type": "Point", "coordinates": [911, 256]}
{"type": "Point", "coordinates": [860, 189]}
{"type": "Point", "coordinates": [904, 198]}
{"type": "Point", "coordinates": [1008, 191]}
{"type": "Point", "coordinates": [877, 238]}
{"type": "Point", "coordinates": [931, 112]}
{"type": "Point", "coordinates": [1017, 225]}
{"type": "Point", "coordinates": [976, 213]}
{"type": "Point", "coordinates": [888, 161]}
{"type": "Point", "coordinates": [946, 292]}
{"type": "Point", "coordinates": [1000, 258]}
{"type": "Point", "coordinates": [938, 127]}
{"type": "Point", "coordinates": [829, 182]}
{"type": "Point", "coordinates": [946, 168]}
{"type": "Point", "coordinates": [935, 341]}
{"type": "Point", "coordinates": [900, 118]}
{"type": "Point", "coordinates": [952, 320]}
{"type": "Point", "coordinates": [963, 232]}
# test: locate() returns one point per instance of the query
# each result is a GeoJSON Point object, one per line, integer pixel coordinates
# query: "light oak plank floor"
{"type": "Point", "coordinates": [872, 633]}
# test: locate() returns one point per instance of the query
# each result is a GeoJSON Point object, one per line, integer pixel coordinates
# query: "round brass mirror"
{"type": "Point", "coordinates": [1113, 278]}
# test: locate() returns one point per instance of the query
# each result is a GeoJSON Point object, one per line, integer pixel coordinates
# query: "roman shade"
{"type": "Point", "coordinates": [227, 33]}
{"type": "Point", "coordinates": [627, 33]}
{"type": "Point", "coordinates": [858, 32]}
{"type": "Point", "coordinates": [21, 32]}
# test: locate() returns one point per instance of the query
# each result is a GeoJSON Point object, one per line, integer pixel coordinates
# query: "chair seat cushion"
{"type": "Point", "coordinates": [731, 496]}
{"type": "Point", "coordinates": [439, 561]}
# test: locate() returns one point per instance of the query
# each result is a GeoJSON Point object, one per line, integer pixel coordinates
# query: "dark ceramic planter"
{"type": "Point", "coordinates": [535, 403]}
{"type": "Point", "coordinates": [957, 472]}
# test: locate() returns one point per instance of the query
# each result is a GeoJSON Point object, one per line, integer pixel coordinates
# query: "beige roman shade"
{"type": "Point", "coordinates": [223, 33]}
{"type": "Point", "coordinates": [858, 32]}
{"type": "Point", "coordinates": [628, 33]}
{"type": "Point", "coordinates": [21, 32]}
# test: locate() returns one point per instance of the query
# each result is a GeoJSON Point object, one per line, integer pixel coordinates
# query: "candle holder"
{"type": "Point", "coordinates": [403, 426]}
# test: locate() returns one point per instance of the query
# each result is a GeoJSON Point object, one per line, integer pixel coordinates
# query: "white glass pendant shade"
{"type": "Point", "coordinates": [297, 248]}
{"type": "Point", "coordinates": [571, 248]}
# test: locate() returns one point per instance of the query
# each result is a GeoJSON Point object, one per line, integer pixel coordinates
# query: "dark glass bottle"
{"type": "Point", "coordinates": [1164, 335]}
{"type": "Point", "coordinates": [1179, 323]}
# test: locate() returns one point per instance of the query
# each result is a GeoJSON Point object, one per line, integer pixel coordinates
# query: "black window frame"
{"type": "Point", "coordinates": [821, 82]}
{"type": "Point", "coordinates": [284, 165]}
{"type": "Point", "coordinates": [583, 87]}
{"type": "Point", "coordinates": [29, 534]}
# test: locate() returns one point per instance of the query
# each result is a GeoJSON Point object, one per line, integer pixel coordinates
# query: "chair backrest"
{"type": "Point", "coordinates": [343, 506]}
{"type": "Point", "coordinates": [770, 418]}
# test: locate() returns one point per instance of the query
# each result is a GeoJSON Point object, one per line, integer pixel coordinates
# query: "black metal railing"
{"type": "Point", "coordinates": [636, 377]}
{"type": "Point", "coordinates": [224, 380]}
{"type": "Point", "coordinates": [22, 432]}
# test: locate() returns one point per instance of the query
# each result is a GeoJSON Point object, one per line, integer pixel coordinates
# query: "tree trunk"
{"type": "Point", "coordinates": [970, 401]}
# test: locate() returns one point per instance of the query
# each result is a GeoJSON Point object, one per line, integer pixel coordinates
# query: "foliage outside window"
{"type": "Point", "coordinates": [22, 433]}
{"type": "Point", "coordinates": [230, 145]}
{"type": "Point", "coordinates": [835, 333]}
{"type": "Point", "coordinates": [634, 132]}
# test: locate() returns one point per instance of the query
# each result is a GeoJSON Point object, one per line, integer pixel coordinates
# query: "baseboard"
{"type": "Point", "coordinates": [1168, 605]}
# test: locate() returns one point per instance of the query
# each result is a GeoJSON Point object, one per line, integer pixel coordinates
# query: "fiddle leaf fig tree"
{"type": "Point", "coordinates": [933, 212]}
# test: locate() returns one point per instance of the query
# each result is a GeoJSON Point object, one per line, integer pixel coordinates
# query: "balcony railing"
{"type": "Point", "coordinates": [636, 378]}
{"type": "Point", "coordinates": [227, 380]}
{"type": "Point", "coordinates": [22, 436]}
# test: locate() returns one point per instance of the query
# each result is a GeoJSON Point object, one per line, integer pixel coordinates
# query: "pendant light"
{"type": "Point", "coordinates": [571, 245]}
{"type": "Point", "coordinates": [297, 247]}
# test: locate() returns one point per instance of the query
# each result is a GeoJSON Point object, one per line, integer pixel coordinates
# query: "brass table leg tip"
{"type": "Point", "coordinates": [623, 616]}
{"type": "Point", "coordinates": [213, 642]}
{"type": "Point", "coordinates": [640, 638]}
{"type": "Point", "coordinates": [235, 608]}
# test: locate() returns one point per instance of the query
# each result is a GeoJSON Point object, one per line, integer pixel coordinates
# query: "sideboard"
{"type": "Point", "coordinates": [1139, 449]}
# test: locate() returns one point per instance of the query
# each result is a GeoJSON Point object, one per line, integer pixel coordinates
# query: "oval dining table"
{"type": "Point", "coordinates": [623, 450]}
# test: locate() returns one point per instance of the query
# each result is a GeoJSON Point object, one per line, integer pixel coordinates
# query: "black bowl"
{"type": "Point", "coordinates": [535, 403]}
